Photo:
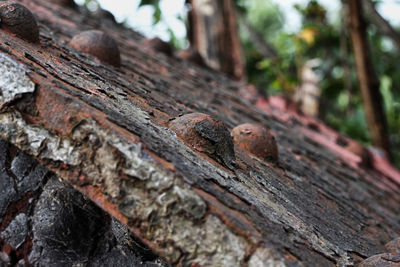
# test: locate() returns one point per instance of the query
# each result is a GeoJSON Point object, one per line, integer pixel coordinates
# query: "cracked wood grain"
{"type": "Point", "coordinates": [106, 132]}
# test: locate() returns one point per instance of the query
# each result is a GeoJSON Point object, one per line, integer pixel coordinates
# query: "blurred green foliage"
{"type": "Point", "coordinates": [176, 43]}
{"type": "Point", "coordinates": [157, 10]}
{"type": "Point", "coordinates": [340, 102]}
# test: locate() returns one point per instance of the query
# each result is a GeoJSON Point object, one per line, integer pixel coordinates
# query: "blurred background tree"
{"type": "Point", "coordinates": [276, 59]}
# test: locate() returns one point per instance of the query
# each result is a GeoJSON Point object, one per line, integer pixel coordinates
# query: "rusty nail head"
{"type": "Point", "coordinates": [255, 139]}
{"type": "Point", "coordinates": [104, 14]}
{"type": "Point", "coordinates": [384, 259]}
{"type": "Point", "coordinates": [98, 44]}
{"type": "Point", "coordinates": [192, 56]}
{"type": "Point", "coordinates": [359, 150]}
{"type": "Point", "coordinates": [205, 134]}
{"type": "Point", "coordinates": [18, 20]}
{"type": "Point", "coordinates": [159, 45]}
{"type": "Point", "coordinates": [394, 246]}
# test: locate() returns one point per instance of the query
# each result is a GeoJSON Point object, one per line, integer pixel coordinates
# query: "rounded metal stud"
{"type": "Point", "coordinates": [18, 20]}
{"type": "Point", "coordinates": [98, 44]}
{"type": "Point", "coordinates": [205, 134]}
{"type": "Point", "coordinates": [255, 139]}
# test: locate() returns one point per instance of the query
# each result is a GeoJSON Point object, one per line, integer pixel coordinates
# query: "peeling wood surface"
{"type": "Point", "coordinates": [105, 131]}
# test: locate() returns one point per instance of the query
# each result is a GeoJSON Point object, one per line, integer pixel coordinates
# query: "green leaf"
{"type": "Point", "coordinates": [156, 15]}
{"type": "Point", "coordinates": [157, 10]}
{"type": "Point", "coordinates": [173, 40]}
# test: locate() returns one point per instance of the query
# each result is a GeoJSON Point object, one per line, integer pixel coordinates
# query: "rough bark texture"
{"type": "Point", "coordinates": [104, 130]}
{"type": "Point", "coordinates": [369, 84]}
{"type": "Point", "coordinates": [214, 34]}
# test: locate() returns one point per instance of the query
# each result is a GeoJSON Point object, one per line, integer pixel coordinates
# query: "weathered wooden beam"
{"type": "Point", "coordinates": [105, 130]}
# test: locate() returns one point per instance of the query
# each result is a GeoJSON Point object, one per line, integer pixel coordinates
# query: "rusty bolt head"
{"type": "Point", "coordinates": [255, 139]}
{"type": "Point", "coordinates": [159, 45]}
{"type": "Point", "coordinates": [384, 259]}
{"type": "Point", "coordinates": [394, 246]}
{"type": "Point", "coordinates": [202, 133]}
{"type": "Point", "coordinates": [192, 56]}
{"type": "Point", "coordinates": [104, 14]}
{"type": "Point", "coordinates": [359, 150]}
{"type": "Point", "coordinates": [98, 44]}
{"type": "Point", "coordinates": [18, 20]}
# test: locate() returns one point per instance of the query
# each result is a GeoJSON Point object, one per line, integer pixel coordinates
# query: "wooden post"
{"type": "Point", "coordinates": [214, 34]}
{"type": "Point", "coordinates": [368, 81]}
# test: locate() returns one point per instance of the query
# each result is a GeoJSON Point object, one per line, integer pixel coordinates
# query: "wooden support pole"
{"type": "Point", "coordinates": [368, 81]}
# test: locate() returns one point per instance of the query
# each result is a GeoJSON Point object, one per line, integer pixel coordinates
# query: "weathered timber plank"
{"type": "Point", "coordinates": [105, 131]}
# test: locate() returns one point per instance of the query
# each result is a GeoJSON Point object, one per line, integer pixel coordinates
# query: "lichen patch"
{"type": "Point", "coordinates": [14, 82]}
